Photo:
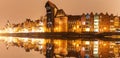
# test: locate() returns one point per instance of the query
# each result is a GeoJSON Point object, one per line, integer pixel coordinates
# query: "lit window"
{"type": "Point", "coordinates": [111, 20]}
{"type": "Point", "coordinates": [87, 42]}
{"type": "Point", "coordinates": [95, 42]}
{"type": "Point", "coordinates": [96, 20]}
{"type": "Point", "coordinates": [83, 23]}
{"type": "Point", "coordinates": [87, 29]}
{"type": "Point", "coordinates": [96, 30]}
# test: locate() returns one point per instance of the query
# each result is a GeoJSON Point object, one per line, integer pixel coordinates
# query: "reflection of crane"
{"type": "Point", "coordinates": [49, 50]}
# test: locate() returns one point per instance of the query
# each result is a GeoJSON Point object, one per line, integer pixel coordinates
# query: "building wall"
{"type": "Point", "coordinates": [60, 24]}
{"type": "Point", "coordinates": [87, 23]}
{"type": "Point", "coordinates": [96, 23]}
{"type": "Point", "coordinates": [74, 24]}
{"type": "Point", "coordinates": [104, 23]}
{"type": "Point", "coordinates": [112, 29]}
{"type": "Point", "coordinates": [91, 22]}
{"type": "Point", "coordinates": [83, 19]}
{"type": "Point", "coordinates": [116, 23]}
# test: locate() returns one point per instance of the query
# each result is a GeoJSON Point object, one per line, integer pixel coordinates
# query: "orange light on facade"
{"type": "Point", "coordinates": [87, 29]}
{"type": "Point", "coordinates": [104, 44]}
{"type": "Point", "coordinates": [57, 43]}
{"type": "Point", "coordinates": [74, 28]}
{"type": "Point", "coordinates": [74, 44]}
{"type": "Point", "coordinates": [77, 45]}
{"type": "Point", "coordinates": [87, 43]}
{"type": "Point", "coordinates": [83, 48]}
{"type": "Point", "coordinates": [77, 26]}
{"type": "Point", "coordinates": [105, 28]}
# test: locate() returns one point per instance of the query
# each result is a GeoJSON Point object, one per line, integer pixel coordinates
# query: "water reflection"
{"type": "Point", "coordinates": [26, 43]}
{"type": "Point", "coordinates": [66, 48]}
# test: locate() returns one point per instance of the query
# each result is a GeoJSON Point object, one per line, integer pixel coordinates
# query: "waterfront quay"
{"type": "Point", "coordinates": [66, 35]}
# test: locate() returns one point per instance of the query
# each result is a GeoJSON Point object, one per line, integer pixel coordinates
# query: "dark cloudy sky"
{"type": "Point", "coordinates": [18, 10]}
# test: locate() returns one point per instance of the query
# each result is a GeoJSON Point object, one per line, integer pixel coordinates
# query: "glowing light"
{"type": "Point", "coordinates": [87, 29]}
{"type": "Point", "coordinates": [25, 30]}
{"type": "Point", "coordinates": [41, 41]}
{"type": "Point", "coordinates": [77, 45]}
{"type": "Point", "coordinates": [10, 30]}
{"type": "Point", "coordinates": [104, 44]}
{"type": "Point", "coordinates": [40, 47]}
{"type": "Point", "coordinates": [87, 42]}
{"type": "Point", "coordinates": [41, 29]}
{"type": "Point", "coordinates": [41, 23]}
{"type": "Point", "coordinates": [83, 48]}
{"type": "Point", "coordinates": [10, 39]}
{"type": "Point", "coordinates": [105, 28]}
{"type": "Point", "coordinates": [25, 39]}
{"type": "Point", "coordinates": [83, 23]}
{"type": "Point", "coordinates": [74, 28]}
{"type": "Point", "coordinates": [56, 28]}
{"type": "Point", "coordinates": [77, 26]}
{"type": "Point", "coordinates": [74, 44]}
{"type": "Point", "coordinates": [56, 43]}
{"type": "Point", "coordinates": [95, 42]}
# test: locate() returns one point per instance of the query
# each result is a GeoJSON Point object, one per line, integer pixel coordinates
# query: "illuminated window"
{"type": "Point", "coordinates": [96, 30]}
{"type": "Point", "coordinates": [95, 42]}
{"type": "Point", "coordinates": [87, 42]}
{"type": "Point", "coordinates": [111, 20]}
{"type": "Point", "coordinates": [95, 23]}
{"type": "Point", "coordinates": [87, 29]}
{"type": "Point", "coordinates": [83, 23]}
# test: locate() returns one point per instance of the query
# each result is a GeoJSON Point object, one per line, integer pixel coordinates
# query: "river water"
{"type": "Point", "coordinates": [15, 47]}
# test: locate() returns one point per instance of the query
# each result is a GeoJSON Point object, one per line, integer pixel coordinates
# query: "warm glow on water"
{"type": "Point", "coordinates": [36, 47]}
{"type": "Point", "coordinates": [10, 49]}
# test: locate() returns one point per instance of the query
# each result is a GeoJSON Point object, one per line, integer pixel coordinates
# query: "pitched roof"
{"type": "Point", "coordinates": [49, 3]}
{"type": "Point", "coordinates": [60, 12]}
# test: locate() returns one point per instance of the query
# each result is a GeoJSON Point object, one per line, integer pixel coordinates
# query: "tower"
{"type": "Point", "coordinates": [51, 10]}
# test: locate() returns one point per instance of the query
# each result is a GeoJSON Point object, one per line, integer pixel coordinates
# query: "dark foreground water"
{"type": "Point", "coordinates": [14, 47]}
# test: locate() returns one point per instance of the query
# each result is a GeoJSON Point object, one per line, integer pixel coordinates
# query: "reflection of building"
{"type": "Point", "coordinates": [104, 49]}
{"type": "Point", "coordinates": [59, 48]}
{"type": "Point", "coordinates": [68, 48]}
